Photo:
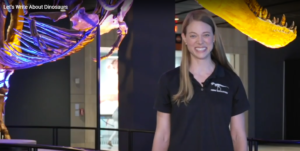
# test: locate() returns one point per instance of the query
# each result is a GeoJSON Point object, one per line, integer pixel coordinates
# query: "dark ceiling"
{"type": "Point", "coordinates": [183, 7]}
{"type": "Point", "coordinates": [291, 9]}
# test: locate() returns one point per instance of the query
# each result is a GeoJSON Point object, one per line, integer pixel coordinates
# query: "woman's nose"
{"type": "Point", "coordinates": [200, 40]}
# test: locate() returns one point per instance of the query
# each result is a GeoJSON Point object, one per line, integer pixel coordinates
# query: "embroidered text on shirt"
{"type": "Point", "coordinates": [219, 88]}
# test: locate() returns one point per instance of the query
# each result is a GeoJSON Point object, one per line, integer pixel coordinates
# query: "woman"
{"type": "Point", "coordinates": [199, 100]}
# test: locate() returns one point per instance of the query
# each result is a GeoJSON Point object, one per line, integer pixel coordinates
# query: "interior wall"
{"type": "Point", "coordinates": [267, 66]}
{"type": "Point", "coordinates": [291, 103]}
{"type": "Point", "coordinates": [83, 96]}
{"type": "Point", "coordinates": [83, 82]}
{"type": "Point", "coordinates": [149, 51]}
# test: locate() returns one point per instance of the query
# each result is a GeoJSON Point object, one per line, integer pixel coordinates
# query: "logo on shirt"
{"type": "Point", "coordinates": [219, 88]}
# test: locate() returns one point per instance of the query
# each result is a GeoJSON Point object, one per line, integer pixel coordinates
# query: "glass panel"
{"type": "Point", "coordinates": [178, 55]}
{"type": "Point", "coordinates": [230, 58]}
{"type": "Point", "coordinates": [237, 64]}
{"type": "Point", "coordinates": [109, 103]}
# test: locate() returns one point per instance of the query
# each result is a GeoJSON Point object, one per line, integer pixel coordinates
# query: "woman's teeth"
{"type": "Point", "coordinates": [201, 49]}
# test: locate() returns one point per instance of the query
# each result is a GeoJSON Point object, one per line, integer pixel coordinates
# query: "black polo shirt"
{"type": "Point", "coordinates": [202, 125]}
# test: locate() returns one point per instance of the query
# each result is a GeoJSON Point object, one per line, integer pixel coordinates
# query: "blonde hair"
{"type": "Point", "coordinates": [186, 91]}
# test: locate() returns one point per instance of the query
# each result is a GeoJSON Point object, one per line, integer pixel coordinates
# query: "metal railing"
{"type": "Point", "coordinates": [252, 142]}
{"type": "Point", "coordinates": [56, 128]}
{"type": "Point", "coordinates": [35, 147]}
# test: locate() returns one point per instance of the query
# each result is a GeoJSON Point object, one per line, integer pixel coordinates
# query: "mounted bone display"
{"type": "Point", "coordinates": [31, 43]}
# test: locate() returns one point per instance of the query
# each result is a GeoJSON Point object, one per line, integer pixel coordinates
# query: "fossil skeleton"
{"type": "Point", "coordinates": [31, 43]}
{"type": "Point", "coordinates": [39, 43]}
{"type": "Point", "coordinates": [250, 18]}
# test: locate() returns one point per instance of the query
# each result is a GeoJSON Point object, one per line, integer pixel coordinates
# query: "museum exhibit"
{"type": "Point", "coordinates": [83, 75]}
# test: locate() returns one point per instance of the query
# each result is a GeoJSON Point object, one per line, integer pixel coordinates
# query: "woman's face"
{"type": "Point", "coordinates": [199, 39]}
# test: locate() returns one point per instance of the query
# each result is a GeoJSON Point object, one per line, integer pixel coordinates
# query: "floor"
{"type": "Point", "coordinates": [110, 148]}
{"type": "Point", "coordinates": [260, 148]}
{"type": "Point", "coordinates": [279, 148]}
{"type": "Point", "coordinates": [104, 146]}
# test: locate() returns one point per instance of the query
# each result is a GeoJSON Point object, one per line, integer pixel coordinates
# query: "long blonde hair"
{"type": "Point", "coordinates": [186, 91]}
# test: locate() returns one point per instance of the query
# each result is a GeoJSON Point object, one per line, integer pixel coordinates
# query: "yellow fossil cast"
{"type": "Point", "coordinates": [251, 19]}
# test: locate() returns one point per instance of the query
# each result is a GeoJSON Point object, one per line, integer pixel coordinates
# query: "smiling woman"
{"type": "Point", "coordinates": [197, 101]}
{"type": "Point", "coordinates": [199, 33]}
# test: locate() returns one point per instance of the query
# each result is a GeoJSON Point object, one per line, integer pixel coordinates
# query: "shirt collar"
{"type": "Point", "coordinates": [218, 71]}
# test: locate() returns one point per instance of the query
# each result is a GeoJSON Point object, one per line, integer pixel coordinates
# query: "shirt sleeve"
{"type": "Point", "coordinates": [240, 101]}
{"type": "Point", "coordinates": [162, 100]}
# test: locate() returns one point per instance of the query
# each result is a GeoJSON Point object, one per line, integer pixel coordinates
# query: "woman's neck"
{"type": "Point", "coordinates": [200, 67]}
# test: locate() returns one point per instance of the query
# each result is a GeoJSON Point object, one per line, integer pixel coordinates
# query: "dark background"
{"type": "Point", "coordinates": [292, 103]}
{"type": "Point", "coordinates": [148, 51]}
{"type": "Point", "coordinates": [268, 115]}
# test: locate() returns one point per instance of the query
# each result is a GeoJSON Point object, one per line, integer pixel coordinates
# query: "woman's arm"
{"type": "Point", "coordinates": [238, 132]}
{"type": "Point", "coordinates": [162, 132]}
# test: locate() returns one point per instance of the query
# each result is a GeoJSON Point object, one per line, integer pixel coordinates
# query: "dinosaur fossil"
{"type": "Point", "coordinates": [250, 18]}
{"type": "Point", "coordinates": [31, 43]}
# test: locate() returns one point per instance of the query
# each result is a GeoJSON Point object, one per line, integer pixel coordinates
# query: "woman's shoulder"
{"type": "Point", "coordinates": [232, 76]}
{"type": "Point", "coordinates": [170, 75]}
{"type": "Point", "coordinates": [230, 73]}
